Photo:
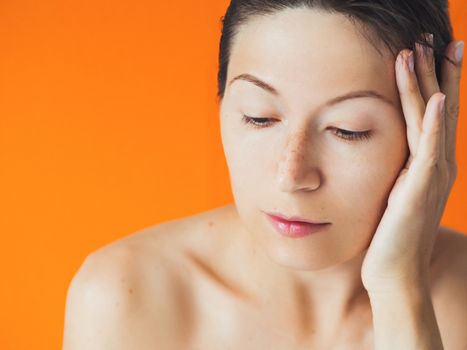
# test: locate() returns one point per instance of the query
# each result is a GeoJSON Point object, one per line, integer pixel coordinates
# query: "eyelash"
{"type": "Point", "coordinates": [344, 134]}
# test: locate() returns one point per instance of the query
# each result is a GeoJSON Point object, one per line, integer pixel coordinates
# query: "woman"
{"type": "Point", "coordinates": [322, 120]}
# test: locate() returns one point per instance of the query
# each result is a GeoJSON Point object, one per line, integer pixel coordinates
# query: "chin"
{"type": "Point", "coordinates": [311, 253]}
{"type": "Point", "coordinates": [290, 258]}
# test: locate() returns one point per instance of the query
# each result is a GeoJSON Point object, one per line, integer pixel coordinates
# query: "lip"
{"type": "Point", "coordinates": [294, 218]}
{"type": "Point", "coordinates": [294, 229]}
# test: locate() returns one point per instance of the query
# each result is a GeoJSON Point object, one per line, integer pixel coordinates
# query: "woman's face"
{"type": "Point", "coordinates": [297, 163]}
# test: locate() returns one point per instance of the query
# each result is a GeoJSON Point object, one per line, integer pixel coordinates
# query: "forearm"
{"type": "Point", "coordinates": [405, 319]}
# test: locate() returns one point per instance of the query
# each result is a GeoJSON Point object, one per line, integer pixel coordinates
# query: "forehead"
{"type": "Point", "coordinates": [304, 51]}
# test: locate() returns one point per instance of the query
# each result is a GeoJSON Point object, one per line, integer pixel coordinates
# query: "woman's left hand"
{"type": "Point", "coordinates": [401, 248]}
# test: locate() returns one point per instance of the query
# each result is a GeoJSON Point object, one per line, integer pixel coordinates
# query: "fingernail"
{"type": "Point", "coordinates": [430, 38]}
{"type": "Point", "coordinates": [410, 61]}
{"type": "Point", "coordinates": [459, 51]}
{"type": "Point", "coordinates": [441, 104]}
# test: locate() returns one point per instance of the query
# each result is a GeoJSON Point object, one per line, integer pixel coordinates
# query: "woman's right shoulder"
{"type": "Point", "coordinates": [135, 283]}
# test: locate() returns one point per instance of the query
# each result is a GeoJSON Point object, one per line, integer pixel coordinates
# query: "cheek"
{"type": "Point", "coordinates": [244, 164]}
{"type": "Point", "coordinates": [364, 181]}
{"type": "Point", "coordinates": [244, 153]}
{"type": "Point", "coordinates": [247, 171]}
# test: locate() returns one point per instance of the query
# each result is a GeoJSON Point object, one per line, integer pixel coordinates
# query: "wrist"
{"type": "Point", "coordinates": [401, 292]}
{"type": "Point", "coordinates": [404, 318]}
{"type": "Point", "coordinates": [400, 283]}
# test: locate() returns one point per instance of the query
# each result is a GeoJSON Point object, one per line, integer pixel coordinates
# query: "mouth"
{"type": "Point", "coordinates": [295, 227]}
{"type": "Point", "coordinates": [294, 219]}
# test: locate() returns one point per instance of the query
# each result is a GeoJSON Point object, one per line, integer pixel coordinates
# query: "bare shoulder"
{"type": "Point", "coordinates": [131, 293]}
{"type": "Point", "coordinates": [451, 252]}
{"type": "Point", "coordinates": [450, 287]}
{"type": "Point", "coordinates": [107, 302]}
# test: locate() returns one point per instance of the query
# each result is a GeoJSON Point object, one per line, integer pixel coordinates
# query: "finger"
{"type": "Point", "coordinates": [426, 73]}
{"type": "Point", "coordinates": [427, 161]}
{"type": "Point", "coordinates": [413, 105]}
{"type": "Point", "coordinates": [428, 80]}
{"type": "Point", "coordinates": [425, 68]}
{"type": "Point", "coordinates": [451, 74]}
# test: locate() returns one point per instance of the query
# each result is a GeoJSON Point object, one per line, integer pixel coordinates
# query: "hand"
{"type": "Point", "coordinates": [401, 248]}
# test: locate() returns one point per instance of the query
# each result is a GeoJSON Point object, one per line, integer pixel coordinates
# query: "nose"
{"type": "Point", "coordinates": [296, 170]}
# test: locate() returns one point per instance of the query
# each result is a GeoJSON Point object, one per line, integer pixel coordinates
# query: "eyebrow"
{"type": "Point", "coordinates": [354, 94]}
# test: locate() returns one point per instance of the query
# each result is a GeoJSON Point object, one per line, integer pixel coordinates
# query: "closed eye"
{"type": "Point", "coordinates": [259, 123]}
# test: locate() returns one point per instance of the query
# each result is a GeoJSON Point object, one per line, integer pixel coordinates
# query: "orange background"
{"type": "Point", "coordinates": [109, 124]}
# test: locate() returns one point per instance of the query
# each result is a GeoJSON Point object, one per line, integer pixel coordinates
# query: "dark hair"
{"type": "Point", "coordinates": [397, 24]}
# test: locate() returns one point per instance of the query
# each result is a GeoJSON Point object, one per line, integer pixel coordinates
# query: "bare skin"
{"type": "Point", "coordinates": [224, 278]}
{"type": "Point", "coordinates": [191, 284]}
